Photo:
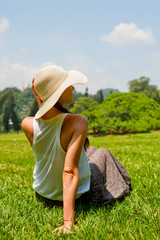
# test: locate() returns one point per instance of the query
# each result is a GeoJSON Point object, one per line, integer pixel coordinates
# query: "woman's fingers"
{"type": "Point", "coordinates": [62, 229]}
{"type": "Point", "coordinates": [39, 101]}
{"type": "Point", "coordinates": [33, 88]}
{"type": "Point", "coordinates": [65, 229]}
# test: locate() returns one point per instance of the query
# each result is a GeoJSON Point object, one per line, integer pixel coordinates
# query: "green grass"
{"type": "Point", "coordinates": [136, 217]}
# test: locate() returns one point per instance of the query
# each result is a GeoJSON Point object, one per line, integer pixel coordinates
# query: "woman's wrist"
{"type": "Point", "coordinates": [68, 221]}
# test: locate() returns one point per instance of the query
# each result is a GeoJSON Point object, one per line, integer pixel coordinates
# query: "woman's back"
{"type": "Point", "coordinates": [50, 156]}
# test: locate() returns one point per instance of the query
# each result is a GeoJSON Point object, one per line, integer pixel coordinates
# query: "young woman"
{"type": "Point", "coordinates": [66, 169]}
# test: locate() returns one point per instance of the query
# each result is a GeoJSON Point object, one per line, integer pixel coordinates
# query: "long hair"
{"type": "Point", "coordinates": [65, 110]}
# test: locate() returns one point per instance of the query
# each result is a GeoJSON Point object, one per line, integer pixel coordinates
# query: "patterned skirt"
{"type": "Point", "coordinates": [109, 179]}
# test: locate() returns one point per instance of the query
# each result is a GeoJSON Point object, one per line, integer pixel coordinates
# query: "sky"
{"type": "Point", "coordinates": [111, 42]}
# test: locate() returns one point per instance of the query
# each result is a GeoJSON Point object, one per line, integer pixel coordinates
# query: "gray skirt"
{"type": "Point", "coordinates": [109, 179]}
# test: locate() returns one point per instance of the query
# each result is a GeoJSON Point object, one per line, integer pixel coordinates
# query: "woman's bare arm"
{"type": "Point", "coordinates": [70, 172]}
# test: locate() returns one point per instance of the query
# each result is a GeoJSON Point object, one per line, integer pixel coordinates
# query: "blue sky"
{"type": "Point", "coordinates": [112, 42]}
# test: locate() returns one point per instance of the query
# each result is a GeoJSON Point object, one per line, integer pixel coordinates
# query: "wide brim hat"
{"type": "Point", "coordinates": [50, 82]}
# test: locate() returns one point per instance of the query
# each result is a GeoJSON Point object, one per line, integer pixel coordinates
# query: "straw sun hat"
{"type": "Point", "coordinates": [50, 82]}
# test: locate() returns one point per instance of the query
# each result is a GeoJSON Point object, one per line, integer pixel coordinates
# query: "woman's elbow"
{"type": "Point", "coordinates": [70, 175]}
{"type": "Point", "coordinates": [70, 172]}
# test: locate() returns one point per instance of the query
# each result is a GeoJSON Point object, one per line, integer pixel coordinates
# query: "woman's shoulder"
{"type": "Point", "coordinates": [73, 125]}
{"type": "Point", "coordinates": [27, 125]}
{"type": "Point", "coordinates": [27, 122]}
{"type": "Point", "coordinates": [76, 121]}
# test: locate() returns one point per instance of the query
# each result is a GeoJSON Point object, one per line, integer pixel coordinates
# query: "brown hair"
{"type": "Point", "coordinates": [65, 110]}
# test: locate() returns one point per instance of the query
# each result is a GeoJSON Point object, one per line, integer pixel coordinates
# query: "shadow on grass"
{"type": "Point", "coordinates": [82, 208]}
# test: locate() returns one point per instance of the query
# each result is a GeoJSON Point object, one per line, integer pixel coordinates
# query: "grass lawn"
{"type": "Point", "coordinates": [136, 217]}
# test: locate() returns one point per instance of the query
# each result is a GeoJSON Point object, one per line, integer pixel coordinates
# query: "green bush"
{"type": "Point", "coordinates": [124, 112]}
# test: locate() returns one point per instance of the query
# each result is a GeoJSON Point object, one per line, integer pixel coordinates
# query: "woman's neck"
{"type": "Point", "coordinates": [51, 113]}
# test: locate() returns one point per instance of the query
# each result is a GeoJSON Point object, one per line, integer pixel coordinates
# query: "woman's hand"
{"type": "Point", "coordinates": [39, 101]}
{"type": "Point", "coordinates": [68, 227]}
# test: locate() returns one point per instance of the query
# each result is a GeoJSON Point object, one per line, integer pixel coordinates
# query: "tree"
{"type": "Point", "coordinates": [3, 99]}
{"type": "Point", "coordinates": [83, 104]}
{"type": "Point", "coordinates": [108, 91]}
{"type": "Point", "coordinates": [34, 108]}
{"type": "Point", "coordinates": [7, 107]}
{"type": "Point", "coordinates": [86, 92]}
{"type": "Point", "coordinates": [141, 85]}
{"type": "Point", "coordinates": [77, 95]}
{"type": "Point", "coordinates": [15, 120]}
{"type": "Point", "coordinates": [99, 96]}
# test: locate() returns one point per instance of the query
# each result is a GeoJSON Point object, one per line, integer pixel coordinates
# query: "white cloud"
{"type": "Point", "coordinates": [17, 74]}
{"type": "Point", "coordinates": [4, 24]}
{"type": "Point", "coordinates": [128, 33]}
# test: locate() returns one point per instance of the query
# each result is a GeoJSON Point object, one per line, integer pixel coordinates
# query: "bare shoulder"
{"type": "Point", "coordinates": [27, 125]}
{"type": "Point", "coordinates": [73, 125]}
{"type": "Point", "coordinates": [77, 122]}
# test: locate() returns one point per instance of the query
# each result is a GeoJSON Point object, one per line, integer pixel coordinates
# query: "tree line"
{"type": "Point", "coordinates": [136, 111]}
{"type": "Point", "coordinates": [108, 111]}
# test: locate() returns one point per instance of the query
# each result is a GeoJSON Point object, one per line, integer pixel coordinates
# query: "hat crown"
{"type": "Point", "coordinates": [48, 80]}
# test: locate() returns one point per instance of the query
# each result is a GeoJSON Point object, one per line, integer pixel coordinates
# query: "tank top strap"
{"type": "Point", "coordinates": [59, 128]}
